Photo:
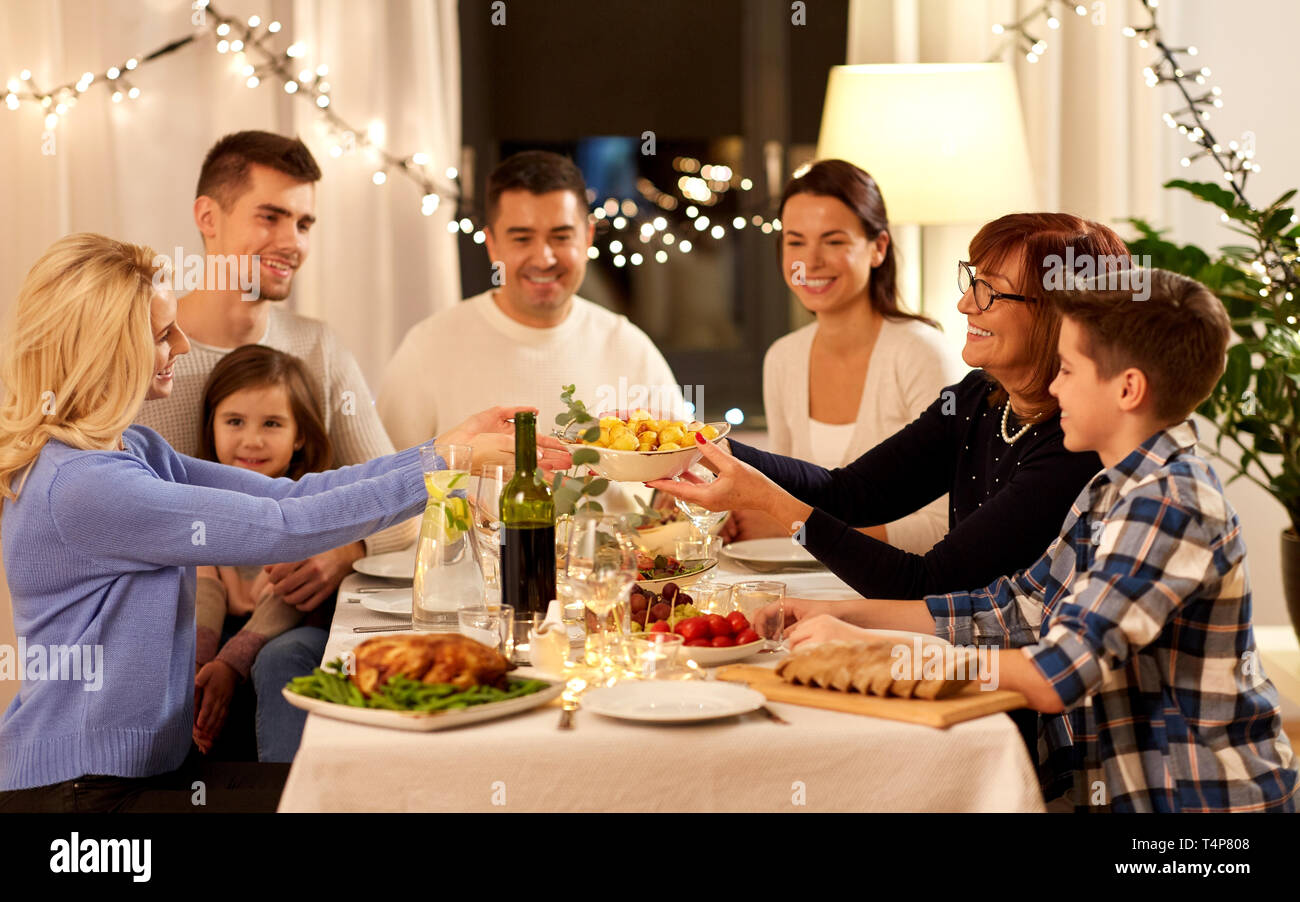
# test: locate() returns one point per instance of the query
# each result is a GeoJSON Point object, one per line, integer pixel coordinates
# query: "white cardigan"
{"type": "Point", "coordinates": [909, 366]}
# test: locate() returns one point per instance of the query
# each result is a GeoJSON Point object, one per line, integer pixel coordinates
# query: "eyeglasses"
{"type": "Point", "coordinates": [984, 293]}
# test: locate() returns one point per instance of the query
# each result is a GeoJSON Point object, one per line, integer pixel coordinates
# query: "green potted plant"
{"type": "Point", "coordinates": [1256, 405]}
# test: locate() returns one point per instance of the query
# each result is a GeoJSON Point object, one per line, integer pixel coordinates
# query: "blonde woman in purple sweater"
{"type": "Point", "coordinates": [103, 525]}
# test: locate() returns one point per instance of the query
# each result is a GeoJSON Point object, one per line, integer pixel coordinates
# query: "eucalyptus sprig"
{"type": "Point", "coordinates": [572, 494]}
{"type": "Point", "coordinates": [649, 515]}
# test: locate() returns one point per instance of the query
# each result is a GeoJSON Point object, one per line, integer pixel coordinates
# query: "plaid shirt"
{"type": "Point", "coordinates": [1138, 615]}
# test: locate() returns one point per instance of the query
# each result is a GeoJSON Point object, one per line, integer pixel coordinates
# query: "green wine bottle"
{"type": "Point", "coordinates": [528, 528]}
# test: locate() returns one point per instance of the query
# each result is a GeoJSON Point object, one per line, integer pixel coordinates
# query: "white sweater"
{"type": "Point", "coordinates": [472, 356]}
{"type": "Point", "coordinates": [909, 367]}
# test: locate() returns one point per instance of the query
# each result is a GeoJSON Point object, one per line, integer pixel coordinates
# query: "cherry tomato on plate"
{"type": "Point", "coordinates": [747, 636]}
{"type": "Point", "coordinates": [718, 626]}
{"type": "Point", "coordinates": [693, 628]}
{"type": "Point", "coordinates": [738, 622]}
{"type": "Point", "coordinates": [723, 642]}
{"type": "Point", "coordinates": [659, 627]}
{"type": "Point", "coordinates": [699, 643]}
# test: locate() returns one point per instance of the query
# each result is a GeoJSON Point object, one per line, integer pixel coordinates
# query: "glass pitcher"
{"type": "Point", "coordinates": [447, 572]}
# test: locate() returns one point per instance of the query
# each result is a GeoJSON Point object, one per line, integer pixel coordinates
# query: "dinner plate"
{"type": "Point", "coordinates": [393, 565]}
{"type": "Point", "coordinates": [424, 720]}
{"type": "Point", "coordinates": [673, 701]}
{"type": "Point", "coordinates": [389, 601]}
{"type": "Point", "coordinates": [771, 553]}
{"type": "Point", "coordinates": [716, 657]}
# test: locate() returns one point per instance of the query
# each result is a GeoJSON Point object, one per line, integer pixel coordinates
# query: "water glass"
{"type": "Point", "coordinates": [713, 597]}
{"type": "Point", "coordinates": [761, 601]}
{"type": "Point", "coordinates": [491, 625]}
{"type": "Point", "coordinates": [525, 623]}
{"type": "Point", "coordinates": [446, 470]}
{"type": "Point", "coordinates": [650, 656]}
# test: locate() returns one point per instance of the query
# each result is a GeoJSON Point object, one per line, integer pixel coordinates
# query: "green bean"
{"type": "Point", "coordinates": [355, 698]}
{"type": "Point", "coordinates": [400, 693]}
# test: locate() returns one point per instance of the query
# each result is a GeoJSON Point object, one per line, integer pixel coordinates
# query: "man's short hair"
{"type": "Point", "coordinates": [1178, 337]}
{"type": "Point", "coordinates": [224, 176]}
{"type": "Point", "coordinates": [537, 172]}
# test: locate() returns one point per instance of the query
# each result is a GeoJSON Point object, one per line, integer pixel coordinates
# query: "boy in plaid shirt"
{"type": "Point", "coordinates": [1132, 633]}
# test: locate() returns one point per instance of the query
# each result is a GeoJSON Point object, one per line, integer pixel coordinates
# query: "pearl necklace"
{"type": "Point", "coordinates": [1011, 439]}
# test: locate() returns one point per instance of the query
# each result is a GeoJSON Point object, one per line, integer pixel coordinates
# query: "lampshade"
{"type": "Point", "coordinates": [945, 142]}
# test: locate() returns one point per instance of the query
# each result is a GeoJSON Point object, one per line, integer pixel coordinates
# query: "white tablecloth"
{"type": "Point", "coordinates": [823, 761]}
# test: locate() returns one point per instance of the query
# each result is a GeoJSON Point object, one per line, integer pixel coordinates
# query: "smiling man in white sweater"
{"type": "Point", "coordinates": [533, 334]}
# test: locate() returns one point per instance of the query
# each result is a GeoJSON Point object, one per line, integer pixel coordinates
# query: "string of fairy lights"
{"type": "Point", "coordinates": [1278, 267]}
{"type": "Point", "coordinates": [630, 233]}
{"type": "Point", "coordinates": [254, 47]}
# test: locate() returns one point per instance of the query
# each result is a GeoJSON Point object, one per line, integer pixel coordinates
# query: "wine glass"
{"type": "Point", "coordinates": [702, 519]}
{"type": "Point", "coordinates": [600, 569]}
{"type": "Point", "coordinates": [491, 479]}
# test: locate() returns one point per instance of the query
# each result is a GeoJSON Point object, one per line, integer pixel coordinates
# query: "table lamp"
{"type": "Point", "coordinates": [944, 141]}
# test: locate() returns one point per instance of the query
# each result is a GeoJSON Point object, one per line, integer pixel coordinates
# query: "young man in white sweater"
{"type": "Point", "coordinates": [532, 335]}
{"type": "Point", "coordinates": [256, 196]}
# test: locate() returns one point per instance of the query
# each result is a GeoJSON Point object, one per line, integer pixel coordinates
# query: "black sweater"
{"type": "Point", "coordinates": [1006, 502]}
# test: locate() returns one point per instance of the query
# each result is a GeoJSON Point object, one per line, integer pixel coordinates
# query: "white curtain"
{"type": "Point", "coordinates": [382, 266]}
{"type": "Point", "coordinates": [129, 169]}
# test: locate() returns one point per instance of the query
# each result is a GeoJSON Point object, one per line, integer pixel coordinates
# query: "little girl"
{"type": "Point", "coordinates": [260, 413]}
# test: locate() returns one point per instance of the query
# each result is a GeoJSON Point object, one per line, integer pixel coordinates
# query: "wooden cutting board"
{"type": "Point", "coordinates": [966, 705]}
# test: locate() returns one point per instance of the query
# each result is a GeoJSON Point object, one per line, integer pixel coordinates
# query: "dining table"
{"type": "Point", "coordinates": [819, 760]}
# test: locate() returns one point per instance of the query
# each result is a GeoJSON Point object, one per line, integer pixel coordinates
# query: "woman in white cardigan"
{"type": "Point", "coordinates": [837, 387]}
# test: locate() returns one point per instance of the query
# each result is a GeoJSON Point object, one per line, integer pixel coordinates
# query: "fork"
{"type": "Point", "coordinates": [353, 597]}
{"type": "Point", "coordinates": [573, 689]}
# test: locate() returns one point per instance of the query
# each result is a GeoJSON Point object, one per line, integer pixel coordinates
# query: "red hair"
{"type": "Point", "coordinates": [1041, 237]}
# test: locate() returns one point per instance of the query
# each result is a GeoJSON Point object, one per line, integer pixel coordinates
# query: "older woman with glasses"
{"type": "Point", "coordinates": [992, 442]}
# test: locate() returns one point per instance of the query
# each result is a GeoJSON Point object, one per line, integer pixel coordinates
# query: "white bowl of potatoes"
{"type": "Point", "coordinates": [641, 447]}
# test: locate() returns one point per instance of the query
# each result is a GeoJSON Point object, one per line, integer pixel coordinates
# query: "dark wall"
{"type": "Point", "coordinates": [559, 69]}
{"type": "Point", "coordinates": [688, 70]}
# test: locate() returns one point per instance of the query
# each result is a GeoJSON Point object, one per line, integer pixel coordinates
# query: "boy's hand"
{"type": "Point", "coordinates": [823, 628]}
{"type": "Point", "coordinates": [796, 609]}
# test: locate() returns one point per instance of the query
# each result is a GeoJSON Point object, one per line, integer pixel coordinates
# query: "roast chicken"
{"type": "Point", "coordinates": [429, 658]}
{"type": "Point", "coordinates": [869, 668]}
